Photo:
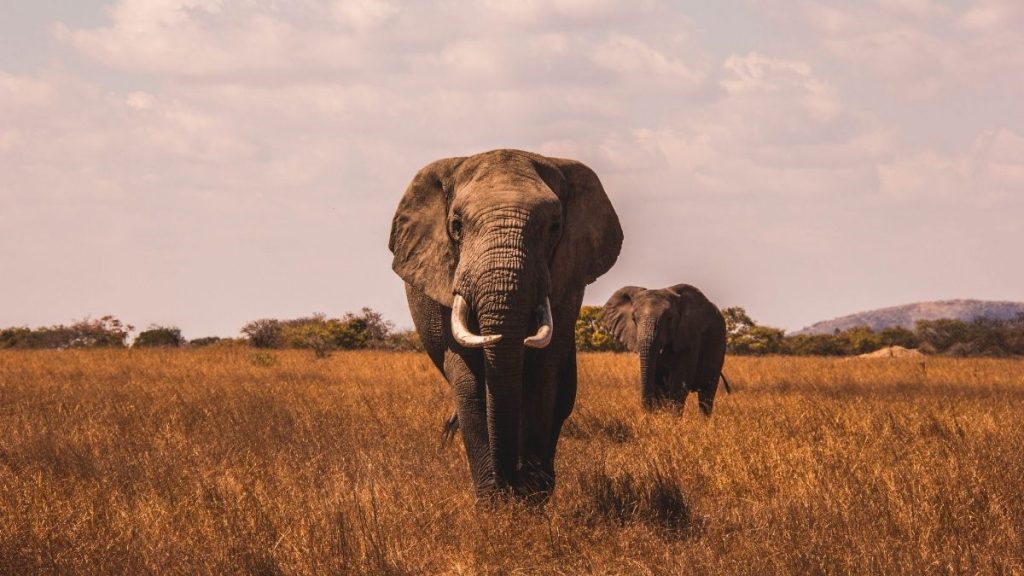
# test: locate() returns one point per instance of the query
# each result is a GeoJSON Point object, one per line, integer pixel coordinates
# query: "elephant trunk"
{"type": "Point", "coordinates": [465, 337]}
{"type": "Point", "coordinates": [508, 296]}
{"type": "Point", "coordinates": [648, 362]}
{"type": "Point", "coordinates": [504, 312]}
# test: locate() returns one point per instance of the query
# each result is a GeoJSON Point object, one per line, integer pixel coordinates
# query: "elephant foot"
{"type": "Point", "coordinates": [663, 403]}
{"type": "Point", "coordinates": [535, 485]}
{"type": "Point", "coordinates": [490, 499]}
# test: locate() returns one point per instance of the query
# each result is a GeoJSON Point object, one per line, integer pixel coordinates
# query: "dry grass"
{"type": "Point", "coordinates": [226, 461]}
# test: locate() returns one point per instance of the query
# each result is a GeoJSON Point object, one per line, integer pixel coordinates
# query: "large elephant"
{"type": "Point", "coordinates": [680, 337]}
{"type": "Point", "coordinates": [495, 251]}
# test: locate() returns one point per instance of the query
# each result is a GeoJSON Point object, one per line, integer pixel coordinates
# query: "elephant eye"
{"type": "Point", "coordinates": [456, 229]}
{"type": "Point", "coordinates": [555, 227]}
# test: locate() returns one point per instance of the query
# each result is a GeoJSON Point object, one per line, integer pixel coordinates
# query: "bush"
{"type": "Point", "coordinates": [743, 336]}
{"type": "Point", "coordinates": [159, 337]}
{"type": "Point", "coordinates": [321, 334]}
{"type": "Point", "coordinates": [899, 336]}
{"type": "Point", "coordinates": [106, 332]}
{"type": "Point", "coordinates": [591, 335]}
{"type": "Point", "coordinates": [404, 341]}
{"type": "Point", "coordinates": [205, 341]}
{"type": "Point", "coordinates": [20, 337]}
{"type": "Point", "coordinates": [942, 334]}
{"type": "Point", "coordinates": [264, 333]}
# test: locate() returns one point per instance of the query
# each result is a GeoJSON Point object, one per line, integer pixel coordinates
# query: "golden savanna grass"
{"type": "Point", "coordinates": [234, 461]}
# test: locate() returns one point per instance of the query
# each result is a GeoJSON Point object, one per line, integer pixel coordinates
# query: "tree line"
{"type": "Point", "coordinates": [368, 329]}
{"type": "Point", "coordinates": [951, 337]}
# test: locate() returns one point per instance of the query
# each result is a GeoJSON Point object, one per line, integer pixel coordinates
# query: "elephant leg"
{"type": "Point", "coordinates": [549, 399]}
{"type": "Point", "coordinates": [661, 379]}
{"type": "Point", "coordinates": [536, 476]}
{"type": "Point", "coordinates": [433, 321]}
{"type": "Point", "coordinates": [546, 410]}
{"type": "Point", "coordinates": [681, 375]}
{"type": "Point", "coordinates": [712, 356]}
{"type": "Point", "coordinates": [464, 370]}
{"type": "Point", "coordinates": [430, 319]}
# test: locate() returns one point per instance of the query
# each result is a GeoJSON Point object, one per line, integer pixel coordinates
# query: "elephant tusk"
{"type": "Point", "coordinates": [460, 330]}
{"type": "Point", "coordinates": [543, 336]}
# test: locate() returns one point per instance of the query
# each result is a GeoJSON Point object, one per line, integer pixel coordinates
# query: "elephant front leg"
{"type": "Point", "coordinates": [548, 400]}
{"type": "Point", "coordinates": [549, 397]}
{"type": "Point", "coordinates": [464, 370]}
{"type": "Point", "coordinates": [662, 389]}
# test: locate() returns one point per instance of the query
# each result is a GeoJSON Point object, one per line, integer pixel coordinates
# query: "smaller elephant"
{"type": "Point", "coordinates": [680, 337]}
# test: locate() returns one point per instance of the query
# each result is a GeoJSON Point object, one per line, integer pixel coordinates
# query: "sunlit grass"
{"type": "Point", "coordinates": [231, 461]}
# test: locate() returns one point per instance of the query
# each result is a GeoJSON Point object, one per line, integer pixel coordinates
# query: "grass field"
{"type": "Point", "coordinates": [235, 461]}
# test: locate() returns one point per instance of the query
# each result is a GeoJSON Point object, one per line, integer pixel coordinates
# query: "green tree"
{"type": "Point", "coordinates": [404, 341]}
{"type": "Point", "coordinates": [264, 333]}
{"type": "Point", "coordinates": [591, 335]}
{"type": "Point", "coordinates": [899, 336]}
{"type": "Point", "coordinates": [367, 329]}
{"type": "Point", "coordinates": [159, 337]}
{"type": "Point", "coordinates": [16, 337]}
{"type": "Point", "coordinates": [941, 335]}
{"type": "Point", "coordinates": [105, 332]}
{"type": "Point", "coordinates": [858, 340]}
{"type": "Point", "coordinates": [743, 336]}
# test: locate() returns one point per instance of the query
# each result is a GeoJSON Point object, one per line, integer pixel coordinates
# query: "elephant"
{"type": "Point", "coordinates": [495, 250]}
{"type": "Point", "coordinates": [680, 337]}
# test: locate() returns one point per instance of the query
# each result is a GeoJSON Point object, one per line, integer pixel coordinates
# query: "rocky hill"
{"type": "Point", "coordinates": [908, 314]}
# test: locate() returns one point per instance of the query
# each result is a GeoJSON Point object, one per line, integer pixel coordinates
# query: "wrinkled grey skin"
{"type": "Point", "coordinates": [680, 337]}
{"type": "Point", "coordinates": [503, 229]}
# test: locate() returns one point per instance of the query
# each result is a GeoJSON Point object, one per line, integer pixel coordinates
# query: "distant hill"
{"type": "Point", "coordinates": [908, 314]}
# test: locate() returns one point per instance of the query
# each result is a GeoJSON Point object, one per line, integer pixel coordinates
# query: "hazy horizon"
{"type": "Point", "coordinates": [205, 163]}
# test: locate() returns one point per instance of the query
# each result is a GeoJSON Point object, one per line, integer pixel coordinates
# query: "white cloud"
{"type": "Point", "coordinates": [920, 48]}
{"type": "Point", "coordinates": [766, 77]}
{"type": "Point", "coordinates": [635, 60]}
{"type": "Point", "coordinates": [364, 14]}
{"type": "Point", "coordinates": [23, 92]}
{"type": "Point", "coordinates": [992, 169]}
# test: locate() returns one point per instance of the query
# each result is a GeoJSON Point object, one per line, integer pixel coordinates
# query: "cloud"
{"type": "Point", "coordinates": [921, 48]}
{"type": "Point", "coordinates": [240, 142]}
{"type": "Point", "coordinates": [990, 171]}
{"type": "Point", "coordinates": [19, 93]}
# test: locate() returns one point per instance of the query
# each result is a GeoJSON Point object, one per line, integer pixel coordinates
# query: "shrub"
{"type": "Point", "coordinates": [321, 334]}
{"type": "Point", "coordinates": [591, 335]}
{"type": "Point", "coordinates": [264, 333]}
{"type": "Point", "coordinates": [159, 337]}
{"type": "Point", "coordinates": [744, 336]}
{"type": "Point", "coordinates": [20, 337]}
{"type": "Point", "coordinates": [106, 332]}
{"type": "Point", "coordinates": [404, 341]}
{"type": "Point", "coordinates": [941, 334]}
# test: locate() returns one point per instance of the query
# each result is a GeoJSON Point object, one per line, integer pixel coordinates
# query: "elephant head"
{"type": "Point", "coordinates": [680, 337]}
{"type": "Point", "coordinates": [505, 240]}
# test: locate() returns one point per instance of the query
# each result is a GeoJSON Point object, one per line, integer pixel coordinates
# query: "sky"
{"type": "Point", "coordinates": [204, 163]}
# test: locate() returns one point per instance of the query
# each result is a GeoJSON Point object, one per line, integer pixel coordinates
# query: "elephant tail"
{"type": "Point", "coordinates": [728, 389]}
{"type": "Point", "coordinates": [451, 426]}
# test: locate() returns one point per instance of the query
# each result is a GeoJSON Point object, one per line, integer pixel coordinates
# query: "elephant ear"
{"type": "Point", "coordinates": [425, 256]}
{"type": "Point", "coordinates": [618, 316]}
{"type": "Point", "coordinates": [591, 235]}
{"type": "Point", "coordinates": [691, 313]}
